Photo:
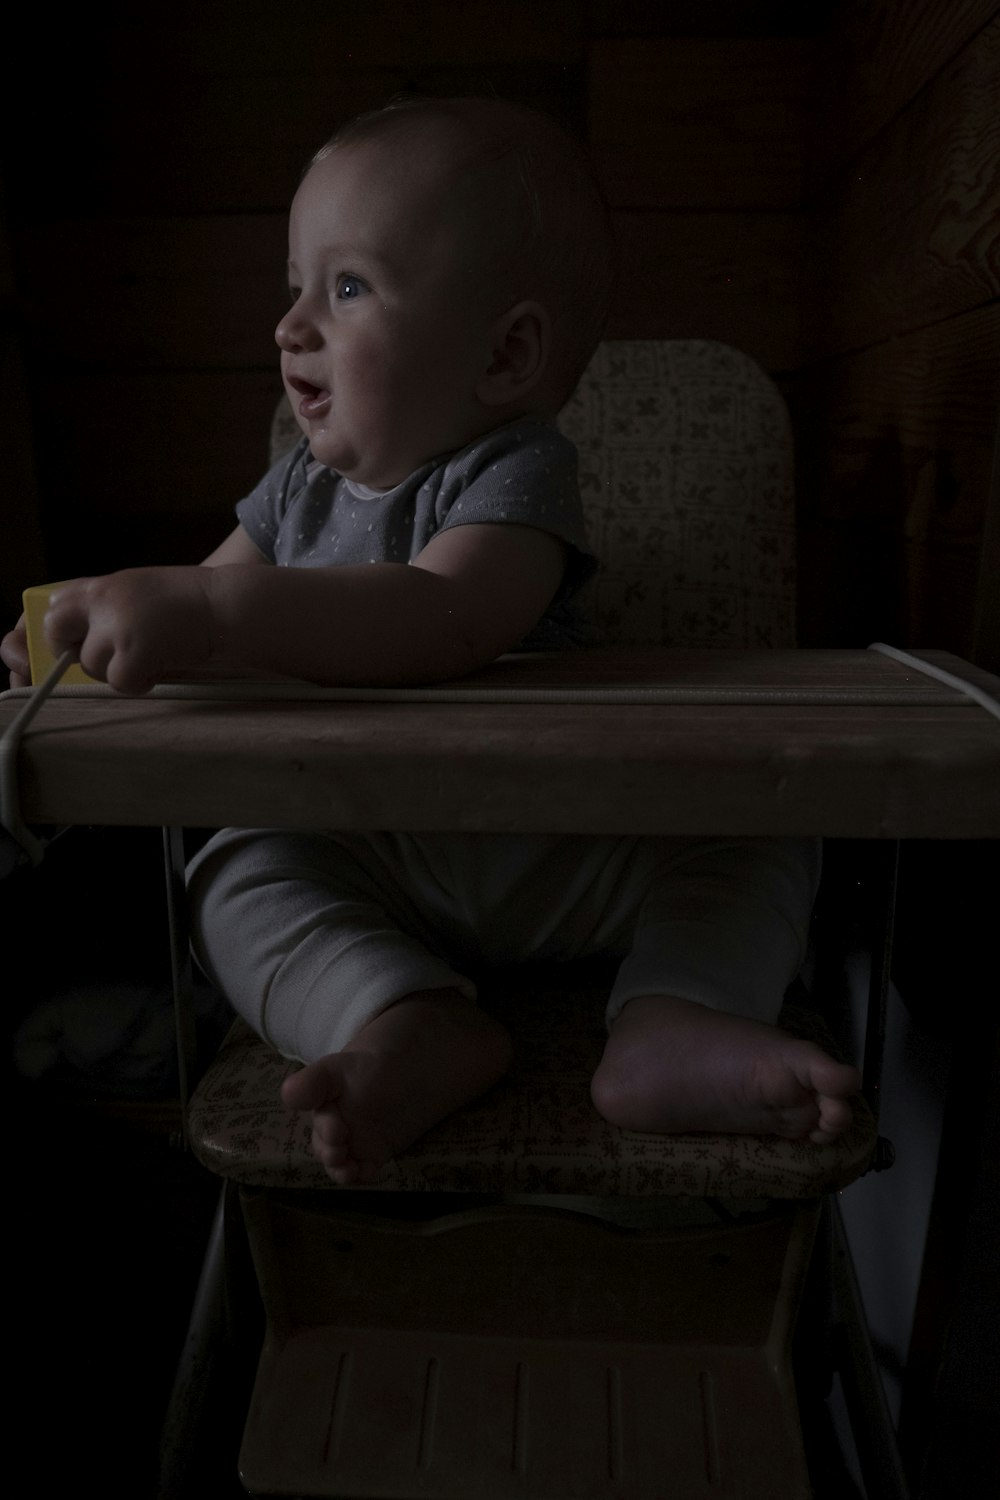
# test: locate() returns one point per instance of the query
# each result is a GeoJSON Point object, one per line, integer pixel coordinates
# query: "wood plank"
{"type": "Point", "coordinates": [191, 146]}
{"type": "Point", "coordinates": [710, 18]}
{"type": "Point", "coordinates": [157, 293]}
{"type": "Point", "coordinates": [862, 771]}
{"type": "Point", "coordinates": [700, 123]}
{"type": "Point", "coordinates": [302, 39]}
{"type": "Point", "coordinates": [217, 107]}
{"type": "Point", "coordinates": [164, 144]}
{"type": "Point", "coordinates": [728, 276]}
{"type": "Point", "coordinates": [898, 444]}
{"type": "Point", "coordinates": [911, 235]}
{"type": "Point", "coordinates": [878, 58]}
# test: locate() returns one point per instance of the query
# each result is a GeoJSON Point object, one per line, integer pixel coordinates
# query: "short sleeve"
{"type": "Point", "coordinates": [523, 474]}
{"type": "Point", "coordinates": [262, 511]}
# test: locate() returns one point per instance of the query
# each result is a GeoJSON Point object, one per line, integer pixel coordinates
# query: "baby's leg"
{"type": "Point", "coordinates": [319, 944]}
{"type": "Point", "coordinates": [406, 1069]}
{"type": "Point", "coordinates": [693, 1045]}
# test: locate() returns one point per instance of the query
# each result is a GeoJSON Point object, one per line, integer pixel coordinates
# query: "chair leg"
{"type": "Point", "coordinates": [180, 967]}
{"type": "Point", "coordinates": [201, 1432]}
{"type": "Point", "coordinates": [867, 1408]}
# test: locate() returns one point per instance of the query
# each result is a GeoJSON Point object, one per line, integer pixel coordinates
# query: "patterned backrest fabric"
{"type": "Point", "coordinates": [686, 473]}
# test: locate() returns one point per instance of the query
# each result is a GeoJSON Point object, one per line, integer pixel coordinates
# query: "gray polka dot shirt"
{"type": "Point", "coordinates": [304, 515]}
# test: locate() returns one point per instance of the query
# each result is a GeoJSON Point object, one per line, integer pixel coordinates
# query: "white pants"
{"type": "Point", "coordinates": [311, 935]}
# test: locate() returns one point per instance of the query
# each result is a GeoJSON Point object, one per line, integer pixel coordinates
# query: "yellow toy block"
{"type": "Point", "coordinates": [36, 603]}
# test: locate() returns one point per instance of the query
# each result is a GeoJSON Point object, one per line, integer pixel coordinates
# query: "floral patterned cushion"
{"type": "Point", "coordinates": [687, 483]}
{"type": "Point", "coordinates": [536, 1132]}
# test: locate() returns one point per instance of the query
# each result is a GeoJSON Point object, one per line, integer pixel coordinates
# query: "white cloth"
{"type": "Point", "coordinates": [311, 935]}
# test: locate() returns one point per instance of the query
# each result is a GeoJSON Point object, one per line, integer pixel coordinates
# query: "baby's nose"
{"type": "Point", "coordinates": [294, 332]}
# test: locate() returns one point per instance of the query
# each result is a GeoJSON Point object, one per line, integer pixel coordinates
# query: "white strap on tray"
{"type": "Point", "coordinates": [10, 741]}
{"type": "Point", "coordinates": [970, 689]}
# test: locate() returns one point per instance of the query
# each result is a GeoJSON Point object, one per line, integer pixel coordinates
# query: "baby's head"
{"type": "Point", "coordinates": [451, 265]}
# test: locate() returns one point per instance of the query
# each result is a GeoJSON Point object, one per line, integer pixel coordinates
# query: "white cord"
{"type": "Point", "coordinates": [969, 689]}
{"type": "Point", "coordinates": [248, 690]}
{"type": "Point", "coordinates": [10, 801]}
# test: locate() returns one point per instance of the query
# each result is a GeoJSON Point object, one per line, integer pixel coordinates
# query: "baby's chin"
{"type": "Point", "coordinates": [382, 470]}
{"type": "Point", "coordinates": [329, 449]}
{"type": "Point", "coordinates": [360, 468]}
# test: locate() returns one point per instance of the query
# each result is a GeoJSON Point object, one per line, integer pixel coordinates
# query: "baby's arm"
{"type": "Point", "coordinates": [237, 548]}
{"type": "Point", "coordinates": [472, 593]}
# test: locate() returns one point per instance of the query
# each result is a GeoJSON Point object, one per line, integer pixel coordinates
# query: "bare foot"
{"type": "Point", "coordinates": [407, 1069]}
{"type": "Point", "coordinates": [671, 1066]}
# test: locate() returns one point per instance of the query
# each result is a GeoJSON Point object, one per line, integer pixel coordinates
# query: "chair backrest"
{"type": "Point", "coordinates": [686, 473]}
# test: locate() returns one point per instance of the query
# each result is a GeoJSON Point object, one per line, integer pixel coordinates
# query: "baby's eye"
{"type": "Point", "coordinates": [349, 288]}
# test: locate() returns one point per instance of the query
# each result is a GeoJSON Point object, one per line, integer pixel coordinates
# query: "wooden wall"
{"type": "Point", "coordinates": [898, 396]}
{"type": "Point", "coordinates": [808, 182]}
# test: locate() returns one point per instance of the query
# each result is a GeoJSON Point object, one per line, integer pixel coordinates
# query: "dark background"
{"type": "Point", "coordinates": [815, 183]}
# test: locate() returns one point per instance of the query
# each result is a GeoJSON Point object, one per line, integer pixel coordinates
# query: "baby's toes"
{"type": "Point", "coordinates": [796, 1121]}
{"type": "Point", "coordinates": [835, 1116]}
{"type": "Point", "coordinates": [329, 1128]}
{"type": "Point", "coordinates": [331, 1156]}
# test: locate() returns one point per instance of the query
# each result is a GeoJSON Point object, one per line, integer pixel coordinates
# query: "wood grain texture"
{"type": "Point", "coordinates": [303, 39]}
{"type": "Point", "coordinates": [195, 144]}
{"type": "Point", "coordinates": [900, 445]}
{"type": "Point", "coordinates": [877, 57]}
{"type": "Point", "coordinates": [927, 770]}
{"type": "Point", "coordinates": [206, 108]}
{"type": "Point", "coordinates": [910, 234]}
{"type": "Point", "coordinates": [710, 18]}
{"type": "Point", "coordinates": [728, 276]}
{"type": "Point", "coordinates": [695, 122]}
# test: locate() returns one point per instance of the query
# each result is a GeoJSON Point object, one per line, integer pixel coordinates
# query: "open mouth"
{"type": "Point", "coordinates": [314, 397]}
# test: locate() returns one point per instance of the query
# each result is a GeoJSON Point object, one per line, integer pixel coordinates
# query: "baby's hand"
{"type": "Point", "coordinates": [131, 629]}
{"type": "Point", "coordinates": [14, 655]}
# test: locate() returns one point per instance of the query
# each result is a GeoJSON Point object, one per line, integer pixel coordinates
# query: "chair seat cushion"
{"type": "Point", "coordinates": [535, 1132]}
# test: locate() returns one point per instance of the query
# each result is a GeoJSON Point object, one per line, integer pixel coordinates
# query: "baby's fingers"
{"type": "Point", "coordinates": [14, 655]}
{"type": "Point", "coordinates": [67, 619]}
{"type": "Point", "coordinates": [78, 620]}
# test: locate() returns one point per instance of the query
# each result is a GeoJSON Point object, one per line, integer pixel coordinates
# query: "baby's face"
{"type": "Point", "coordinates": [389, 331]}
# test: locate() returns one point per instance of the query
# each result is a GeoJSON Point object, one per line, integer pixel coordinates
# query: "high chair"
{"type": "Point", "coordinates": [532, 1302]}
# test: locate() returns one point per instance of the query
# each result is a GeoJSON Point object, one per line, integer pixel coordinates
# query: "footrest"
{"type": "Point", "coordinates": [539, 1354]}
{"type": "Point", "coordinates": [409, 1414]}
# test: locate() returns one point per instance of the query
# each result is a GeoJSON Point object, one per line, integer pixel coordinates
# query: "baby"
{"type": "Point", "coordinates": [450, 270]}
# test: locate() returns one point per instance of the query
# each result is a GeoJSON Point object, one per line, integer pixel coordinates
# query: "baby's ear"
{"type": "Point", "coordinates": [521, 341]}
